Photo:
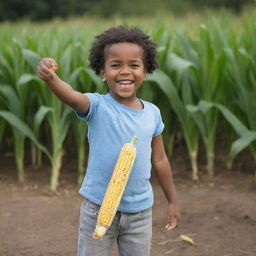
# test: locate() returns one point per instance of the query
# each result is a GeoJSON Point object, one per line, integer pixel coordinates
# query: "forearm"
{"type": "Point", "coordinates": [61, 89]}
{"type": "Point", "coordinates": [64, 92]}
{"type": "Point", "coordinates": [163, 172]}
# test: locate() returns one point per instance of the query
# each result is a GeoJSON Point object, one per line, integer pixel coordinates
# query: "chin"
{"type": "Point", "coordinates": [126, 94]}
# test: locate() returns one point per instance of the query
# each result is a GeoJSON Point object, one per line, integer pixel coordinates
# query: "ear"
{"type": "Point", "coordinates": [102, 73]}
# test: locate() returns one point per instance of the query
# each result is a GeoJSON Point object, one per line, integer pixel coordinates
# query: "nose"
{"type": "Point", "coordinates": [125, 70]}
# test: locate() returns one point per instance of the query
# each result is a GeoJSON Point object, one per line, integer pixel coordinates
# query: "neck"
{"type": "Point", "coordinates": [131, 102]}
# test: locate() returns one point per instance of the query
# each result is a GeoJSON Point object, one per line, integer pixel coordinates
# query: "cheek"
{"type": "Point", "coordinates": [141, 75]}
{"type": "Point", "coordinates": [111, 74]}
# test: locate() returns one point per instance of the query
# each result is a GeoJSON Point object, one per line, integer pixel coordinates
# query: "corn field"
{"type": "Point", "coordinates": [206, 83]}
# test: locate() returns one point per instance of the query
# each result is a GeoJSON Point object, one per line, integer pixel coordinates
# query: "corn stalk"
{"type": "Point", "coordinates": [57, 115]}
{"type": "Point", "coordinates": [21, 130]}
{"type": "Point", "coordinates": [242, 83]}
{"type": "Point", "coordinates": [246, 138]}
{"type": "Point", "coordinates": [207, 83]}
{"type": "Point", "coordinates": [190, 133]}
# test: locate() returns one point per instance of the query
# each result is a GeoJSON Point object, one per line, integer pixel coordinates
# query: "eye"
{"type": "Point", "coordinates": [134, 65]}
{"type": "Point", "coordinates": [114, 66]}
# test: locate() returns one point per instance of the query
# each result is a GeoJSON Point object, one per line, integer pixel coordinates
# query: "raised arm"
{"type": "Point", "coordinates": [46, 71]}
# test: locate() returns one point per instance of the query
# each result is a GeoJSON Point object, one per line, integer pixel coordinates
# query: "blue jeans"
{"type": "Point", "coordinates": [132, 231]}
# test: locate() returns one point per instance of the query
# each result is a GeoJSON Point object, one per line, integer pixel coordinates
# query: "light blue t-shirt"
{"type": "Point", "coordinates": [111, 125]}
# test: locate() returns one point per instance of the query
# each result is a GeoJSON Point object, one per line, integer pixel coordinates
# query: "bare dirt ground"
{"type": "Point", "coordinates": [219, 216]}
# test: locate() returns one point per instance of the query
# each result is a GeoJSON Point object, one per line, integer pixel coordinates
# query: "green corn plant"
{"type": "Point", "coordinates": [180, 69]}
{"type": "Point", "coordinates": [21, 127]}
{"type": "Point", "coordinates": [150, 92]}
{"type": "Point", "coordinates": [13, 97]}
{"type": "Point", "coordinates": [246, 137]}
{"type": "Point", "coordinates": [32, 59]}
{"type": "Point", "coordinates": [11, 103]}
{"type": "Point", "coordinates": [36, 153]}
{"type": "Point", "coordinates": [164, 83]}
{"type": "Point", "coordinates": [207, 82]}
{"type": "Point", "coordinates": [164, 45]}
{"type": "Point", "coordinates": [175, 70]}
{"type": "Point", "coordinates": [195, 70]}
{"type": "Point", "coordinates": [242, 83]}
{"type": "Point", "coordinates": [57, 114]}
{"type": "Point", "coordinates": [16, 97]}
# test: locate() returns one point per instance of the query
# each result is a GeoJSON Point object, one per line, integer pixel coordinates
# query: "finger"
{"type": "Point", "coordinates": [42, 66]}
{"type": "Point", "coordinates": [54, 65]}
{"type": "Point", "coordinates": [172, 224]}
{"type": "Point", "coordinates": [51, 64]}
{"type": "Point", "coordinates": [43, 70]}
{"type": "Point", "coordinates": [45, 75]}
{"type": "Point", "coordinates": [170, 227]}
{"type": "Point", "coordinates": [48, 62]}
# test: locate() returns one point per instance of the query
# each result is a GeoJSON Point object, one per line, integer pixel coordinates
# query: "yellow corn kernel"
{"type": "Point", "coordinates": [115, 189]}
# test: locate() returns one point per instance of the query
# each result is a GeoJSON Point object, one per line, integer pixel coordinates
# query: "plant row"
{"type": "Point", "coordinates": [206, 82]}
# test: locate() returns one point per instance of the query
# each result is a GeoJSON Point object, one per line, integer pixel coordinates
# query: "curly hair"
{"type": "Point", "coordinates": [121, 34]}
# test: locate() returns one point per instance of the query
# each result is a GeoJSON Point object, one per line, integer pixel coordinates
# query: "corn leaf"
{"type": "Point", "coordinates": [23, 128]}
{"type": "Point", "coordinates": [237, 125]}
{"type": "Point", "coordinates": [95, 79]}
{"type": "Point", "coordinates": [39, 117]}
{"type": "Point", "coordinates": [243, 142]}
{"type": "Point", "coordinates": [31, 57]}
{"type": "Point", "coordinates": [10, 99]}
{"type": "Point", "coordinates": [180, 65]}
{"type": "Point", "coordinates": [65, 62]}
{"type": "Point", "coordinates": [26, 78]}
{"type": "Point", "coordinates": [165, 84]}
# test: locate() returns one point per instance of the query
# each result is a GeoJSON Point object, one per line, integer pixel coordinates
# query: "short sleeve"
{"type": "Point", "coordinates": [94, 100]}
{"type": "Point", "coordinates": [159, 123]}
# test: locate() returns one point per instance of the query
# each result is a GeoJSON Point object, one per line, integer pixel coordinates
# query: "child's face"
{"type": "Point", "coordinates": [124, 69]}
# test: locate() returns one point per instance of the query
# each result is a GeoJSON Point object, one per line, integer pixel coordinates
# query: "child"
{"type": "Point", "coordinates": [123, 57]}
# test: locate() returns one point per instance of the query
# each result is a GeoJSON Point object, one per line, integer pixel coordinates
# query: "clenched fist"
{"type": "Point", "coordinates": [46, 69]}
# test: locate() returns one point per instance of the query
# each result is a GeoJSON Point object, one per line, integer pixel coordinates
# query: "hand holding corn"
{"type": "Point", "coordinates": [46, 69]}
{"type": "Point", "coordinates": [115, 189]}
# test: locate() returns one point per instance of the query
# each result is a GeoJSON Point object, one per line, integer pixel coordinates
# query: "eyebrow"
{"type": "Point", "coordinates": [133, 60]}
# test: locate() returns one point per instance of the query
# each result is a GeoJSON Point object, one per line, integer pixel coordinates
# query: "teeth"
{"type": "Point", "coordinates": [125, 82]}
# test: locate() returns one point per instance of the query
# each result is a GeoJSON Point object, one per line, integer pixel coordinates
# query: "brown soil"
{"type": "Point", "coordinates": [219, 216]}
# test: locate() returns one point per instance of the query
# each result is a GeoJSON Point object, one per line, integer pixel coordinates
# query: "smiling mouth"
{"type": "Point", "coordinates": [125, 83]}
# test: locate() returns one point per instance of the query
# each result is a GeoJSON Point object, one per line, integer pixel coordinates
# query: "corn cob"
{"type": "Point", "coordinates": [115, 189]}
